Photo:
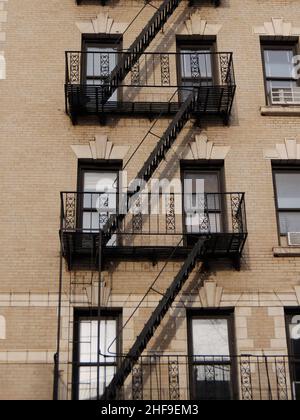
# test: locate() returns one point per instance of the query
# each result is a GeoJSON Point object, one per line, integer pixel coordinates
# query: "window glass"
{"type": "Point", "coordinates": [89, 344]}
{"type": "Point", "coordinates": [289, 222]}
{"type": "Point", "coordinates": [88, 381]}
{"type": "Point", "coordinates": [104, 183]}
{"type": "Point", "coordinates": [210, 337]}
{"type": "Point", "coordinates": [88, 356]}
{"type": "Point", "coordinates": [100, 61]}
{"type": "Point", "coordinates": [294, 349]}
{"type": "Point", "coordinates": [279, 63]}
{"type": "Point", "coordinates": [196, 64]}
{"type": "Point", "coordinates": [99, 206]}
{"type": "Point", "coordinates": [281, 84]}
{"type": "Point", "coordinates": [100, 181]}
{"type": "Point", "coordinates": [202, 210]}
{"type": "Point", "coordinates": [210, 181]}
{"type": "Point", "coordinates": [288, 190]}
{"type": "Point", "coordinates": [212, 369]}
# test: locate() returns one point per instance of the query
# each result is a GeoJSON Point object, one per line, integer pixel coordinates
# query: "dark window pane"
{"type": "Point", "coordinates": [210, 181]}
{"type": "Point", "coordinates": [212, 382]}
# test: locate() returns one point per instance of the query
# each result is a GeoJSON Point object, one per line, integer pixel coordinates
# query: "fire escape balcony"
{"type": "Point", "coordinates": [157, 377]}
{"type": "Point", "coordinates": [155, 227]}
{"type": "Point", "coordinates": [156, 85]}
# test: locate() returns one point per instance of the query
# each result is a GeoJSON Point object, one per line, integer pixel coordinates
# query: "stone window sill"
{"type": "Point", "coordinates": [287, 251]}
{"type": "Point", "coordinates": [281, 111]}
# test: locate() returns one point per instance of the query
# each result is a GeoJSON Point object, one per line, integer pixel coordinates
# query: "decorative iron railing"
{"type": "Point", "coordinates": [156, 218]}
{"type": "Point", "coordinates": [180, 377]}
{"type": "Point", "coordinates": [150, 83]}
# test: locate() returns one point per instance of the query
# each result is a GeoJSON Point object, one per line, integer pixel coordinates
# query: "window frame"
{"type": "Point", "coordinates": [195, 43]}
{"type": "Point", "coordinates": [88, 165]}
{"type": "Point", "coordinates": [276, 46]}
{"type": "Point", "coordinates": [284, 169]}
{"type": "Point", "coordinates": [289, 313]}
{"type": "Point", "coordinates": [214, 313]}
{"type": "Point", "coordinates": [91, 314]}
{"type": "Point", "coordinates": [100, 40]}
{"type": "Point", "coordinates": [203, 167]}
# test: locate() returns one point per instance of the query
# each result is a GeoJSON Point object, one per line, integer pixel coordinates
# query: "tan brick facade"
{"type": "Point", "coordinates": [37, 161]}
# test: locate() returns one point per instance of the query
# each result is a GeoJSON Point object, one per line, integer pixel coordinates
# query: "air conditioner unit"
{"type": "Point", "coordinates": [294, 238]}
{"type": "Point", "coordinates": [285, 96]}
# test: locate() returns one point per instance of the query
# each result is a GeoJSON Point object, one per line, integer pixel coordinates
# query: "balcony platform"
{"type": "Point", "coordinates": [156, 85]}
{"type": "Point", "coordinates": [214, 101]}
{"type": "Point", "coordinates": [81, 250]}
{"type": "Point", "coordinates": [178, 377]}
{"type": "Point", "coordinates": [151, 237]}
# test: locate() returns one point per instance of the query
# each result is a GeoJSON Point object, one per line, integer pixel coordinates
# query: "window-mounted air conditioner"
{"type": "Point", "coordinates": [285, 96]}
{"type": "Point", "coordinates": [294, 238]}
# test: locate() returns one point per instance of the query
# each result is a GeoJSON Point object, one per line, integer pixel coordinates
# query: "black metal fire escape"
{"type": "Point", "coordinates": [157, 155]}
{"type": "Point", "coordinates": [204, 244]}
{"type": "Point", "coordinates": [197, 252]}
{"type": "Point", "coordinates": [154, 321]}
{"type": "Point", "coordinates": [138, 47]}
{"type": "Point", "coordinates": [146, 172]}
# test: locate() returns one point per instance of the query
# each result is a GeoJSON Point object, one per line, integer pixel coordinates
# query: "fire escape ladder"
{"type": "Point", "coordinates": [138, 47]}
{"type": "Point", "coordinates": [154, 321]}
{"type": "Point", "coordinates": [157, 155]}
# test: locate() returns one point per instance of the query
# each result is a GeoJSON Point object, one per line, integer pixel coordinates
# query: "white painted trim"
{"type": "Point", "coordinates": [277, 27]}
{"type": "Point", "coordinates": [102, 24]}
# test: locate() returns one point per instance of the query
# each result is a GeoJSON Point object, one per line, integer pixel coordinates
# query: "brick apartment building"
{"type": "Point", "coordinates": [199, 299]}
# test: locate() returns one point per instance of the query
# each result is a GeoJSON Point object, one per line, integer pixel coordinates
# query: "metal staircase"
{"type": "Point", "coordinates": [138, 47]}
{"type": "Point", "coordinates": [154, 321]}
{"type": "Point", "coordinates": [206, 245]}
{"type": "Point", "coordinates": [146, 172]}
{"type": "Point", "coordinates": [157, 155]}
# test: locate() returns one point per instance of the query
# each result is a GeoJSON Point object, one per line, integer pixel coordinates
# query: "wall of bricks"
{"type": "Point", "coordinates": [37, 162]}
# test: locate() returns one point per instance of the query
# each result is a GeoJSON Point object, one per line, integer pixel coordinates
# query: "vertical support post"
{"type": "Point", "coordinates": [99, 312]}
{"type": "Point", "coordinates": [56, 356]}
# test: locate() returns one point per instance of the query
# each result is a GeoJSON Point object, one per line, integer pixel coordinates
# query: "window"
{"type": "Point", "coordinates": [211, 345]}
{"type": "Point", "coordinates": [98, 195]}
{"type": "Point", "coordinates": [293, 333]}
{"type": "Point", "coordinates": [287, 191]}
{"type": "Point", "coordinates": [86, 344]}
{"type": "Point", "coordinates": [202, 200]}
{"type": "Point", "coordinates": [279, 77]}
{"type": "Point", "coordinates": [100, 59]}
{"type": "Point", "coordinates": [195, 66]}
